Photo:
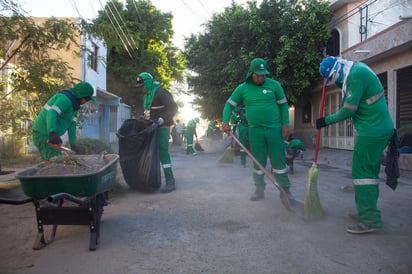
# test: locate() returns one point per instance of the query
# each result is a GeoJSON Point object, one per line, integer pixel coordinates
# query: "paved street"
{"type": "Point", "coordinates": [209, 225]}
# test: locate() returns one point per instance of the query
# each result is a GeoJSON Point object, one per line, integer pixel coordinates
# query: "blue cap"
{"type": "Point", "coordinates": [327, 65]}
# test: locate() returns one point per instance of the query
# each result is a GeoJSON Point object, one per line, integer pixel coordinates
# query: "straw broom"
{"type": "Point", "coordinates": [312, 207]}
{"type": "Point", "coordinates": [227, 156]}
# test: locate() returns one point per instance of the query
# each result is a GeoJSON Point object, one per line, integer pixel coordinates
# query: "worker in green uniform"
{"type": "Point", "coordinates": [56, 117]}
{"type": "Point", "coordinates": [159, 103]}
{"type": "Point", "coordinates": [363, 100]}
{"type": "Point", "coordinates": [242, 127]}
{"type": "Point", "coordinates": [190, 131]}
{"type": "Point", "coordinates": [267, 114]}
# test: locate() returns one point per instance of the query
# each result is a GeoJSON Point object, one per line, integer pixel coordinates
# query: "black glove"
{"type": "Point", "coordinates": [75, 149]}
{"type": "Point", "coordinates": [55, 139]}
{"type": "Point", "coordinates": [320, 123]}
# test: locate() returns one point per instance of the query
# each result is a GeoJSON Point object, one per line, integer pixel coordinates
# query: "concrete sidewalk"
{"type": "Point", "coordinates": [342, 159]}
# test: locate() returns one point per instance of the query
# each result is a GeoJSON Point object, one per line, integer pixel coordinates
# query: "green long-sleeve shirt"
{"type": "Point", "coordinates": [57, 115]}
{"type": "Point", "coordinates": [365, 103]}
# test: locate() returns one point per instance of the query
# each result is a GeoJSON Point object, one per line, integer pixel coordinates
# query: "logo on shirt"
{"type": "Point", "coordinates": [266, 91]}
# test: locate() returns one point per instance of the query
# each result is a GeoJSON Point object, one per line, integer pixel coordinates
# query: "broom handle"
{"type": "Point", "coordinates": [322, 105]}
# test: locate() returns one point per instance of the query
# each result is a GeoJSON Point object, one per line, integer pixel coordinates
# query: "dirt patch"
{"type": "Point", "coordinates": [74, 165]}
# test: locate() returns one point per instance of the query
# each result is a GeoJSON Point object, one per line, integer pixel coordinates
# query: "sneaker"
{"type": "Point", "coordinates": [360, 229]}
{"type": "Point", "coordinates": [258, 195]}
{"type": "Point", "coordinates": [167, 188]}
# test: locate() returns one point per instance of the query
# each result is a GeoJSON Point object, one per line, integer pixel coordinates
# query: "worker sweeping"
{"type": "Point", "coordinates": [267, 113]}
{"type": "Point", "coordinates": [363, 100]}
{"type": "Point", "coordinates": [189, 133]}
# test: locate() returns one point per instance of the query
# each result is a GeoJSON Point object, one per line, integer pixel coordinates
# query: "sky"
{"type": "Point", "coordinates": [189, 15]}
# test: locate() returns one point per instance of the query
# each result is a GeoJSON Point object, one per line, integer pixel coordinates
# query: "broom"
{"type": "Point", "coordinates": [227, 156]}
{"type": "Point", "coordinates": [312, 207]}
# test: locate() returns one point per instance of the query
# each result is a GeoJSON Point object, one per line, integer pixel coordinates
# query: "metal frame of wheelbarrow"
{"type": "Point", "coordinates": [50, 211]}
{"type": "Point", "coordinates": [85, 211]}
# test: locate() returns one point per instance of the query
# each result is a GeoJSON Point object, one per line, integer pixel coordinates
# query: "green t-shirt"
{"type": "Point", "coordinates": [265, 105]}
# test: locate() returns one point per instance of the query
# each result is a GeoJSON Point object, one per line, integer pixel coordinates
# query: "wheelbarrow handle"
{"type": "Point", "coordinates": [15, 202]}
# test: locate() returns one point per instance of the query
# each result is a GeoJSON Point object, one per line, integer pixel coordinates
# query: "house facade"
{"type": "Point", "coordinates": [378, 33]}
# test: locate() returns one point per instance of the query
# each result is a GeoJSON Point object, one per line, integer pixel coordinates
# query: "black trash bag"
{"type": "Point", "coordinates": [139, 154]}
{"type": "Point", "coordinates": [392, 162]}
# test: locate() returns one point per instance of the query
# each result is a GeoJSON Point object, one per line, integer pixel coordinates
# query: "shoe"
{"type": "Point", "coordinates": [258, 195]}
{"type": "Point", "coordinates": [167, 188]}
{"type": "Point", "coordinates": [360, 229]}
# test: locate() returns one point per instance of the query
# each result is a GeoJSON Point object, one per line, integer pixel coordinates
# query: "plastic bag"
{"type": "Point", "coordinates": [139, 155]}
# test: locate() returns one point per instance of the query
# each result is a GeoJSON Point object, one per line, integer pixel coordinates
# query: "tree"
{"type": "Point", "coordinates": [288, 34]}
{"type": "Point", "coordinates": [139, 38]}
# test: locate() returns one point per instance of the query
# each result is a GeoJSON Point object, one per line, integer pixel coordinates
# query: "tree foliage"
{"type": "Point", "coordinates": [139, 38]}
{"type": "Point", "coordinates": [288, 34]}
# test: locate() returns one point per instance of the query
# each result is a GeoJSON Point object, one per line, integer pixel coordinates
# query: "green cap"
{"type": "Point", "coordinates": [83, 90]}
{"type": "Point", "coordinates": [259, 66]}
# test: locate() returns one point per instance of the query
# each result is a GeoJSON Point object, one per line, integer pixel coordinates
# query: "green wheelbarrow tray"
{"type": "Point", "coordinates": [81, 185]}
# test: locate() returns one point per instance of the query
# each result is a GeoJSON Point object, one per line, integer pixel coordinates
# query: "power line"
{"type": "Point", "coordinates": [73, 3]}
{"type": "Point", "coordinates": [184, 3]}
{"type": "Point", "coordinates": [347, 15]}
{"type": "Point", "coordinates": [134, 47]}
{"type": "Point", "coordinates": [118, 33]}
{"type": "Point", "coordinates": [204, 8]}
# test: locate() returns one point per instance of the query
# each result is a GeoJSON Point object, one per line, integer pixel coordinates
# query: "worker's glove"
{"type": "Point", "coordinates": [55, 139]}
{"type": "Point", "coordinates": [226, 128]}
{"type": "Point", "coordinates": [146, 114]}
{"type": "Point", "coordinates": [320, 123]}
{"type": "Point", "coordinates": [75, 149]}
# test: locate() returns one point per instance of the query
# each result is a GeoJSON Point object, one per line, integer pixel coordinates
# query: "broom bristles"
{"type": "Point", "coordinates": [312, 206]}
{"type": "Point", "coordinates": [227, 156]}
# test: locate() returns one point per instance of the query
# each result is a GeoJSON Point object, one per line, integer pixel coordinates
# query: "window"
{"type": "Point", "coordinates": [94, 54]}
{"type": "Point", "coordinates": [333, 44]}
{"type": "Point", "coordinates": [306, 113]}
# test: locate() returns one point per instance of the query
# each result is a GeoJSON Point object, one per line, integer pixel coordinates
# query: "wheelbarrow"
{"type": "Point", "coordinates": [85, 193]}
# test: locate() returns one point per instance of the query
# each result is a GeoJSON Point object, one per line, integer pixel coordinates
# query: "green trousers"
{"type": "Point", "coordinates": [366, 163]}
{"type": "Point", "coordinates": [266, 142]}
{"type": "Point", "coordinates": [163, 135]}
{"type": "Point", "coordinates": [189, 140]}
